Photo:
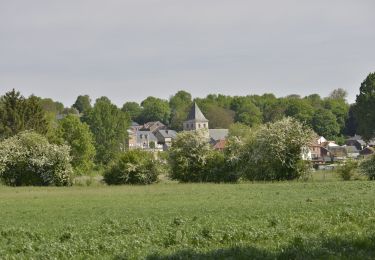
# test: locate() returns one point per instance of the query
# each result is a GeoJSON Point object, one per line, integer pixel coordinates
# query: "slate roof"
{"type": "Point", "coordinates": [146, 135]}
{"type": "Point", "coordinates": [218, 134]}
{"type": "Point", "coordinates": [168, 133]}
{"type": "Point", "coordinates": [196, 114]}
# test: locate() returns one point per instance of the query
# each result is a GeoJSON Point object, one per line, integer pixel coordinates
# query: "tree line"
{"type": "Point", "coordinates": [96, 132]}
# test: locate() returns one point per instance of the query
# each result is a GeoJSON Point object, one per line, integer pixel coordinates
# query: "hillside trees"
{"type": "Point", "coordinates": [109, 126]}
{"type": "Point", "coordinates": [365, 108]}
{"type": "Point", "coordinates": [245, 111]}
{"type": "Point", "coordinates": [325, 124]}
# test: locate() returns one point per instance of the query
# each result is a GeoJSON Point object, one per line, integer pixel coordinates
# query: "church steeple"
{"type": "Point", "coordinates": [195, 120]}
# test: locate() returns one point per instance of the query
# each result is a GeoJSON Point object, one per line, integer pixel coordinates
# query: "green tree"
{"type": "Point", "coordinates": [324, 123]}
{"type": "Point", "coordinates": [83, 104]}
{"type": "Point", "coordinates": [18, 114]}
{"type": "Point", "coordinates": [51, 106]}
{"type": "Point", "coordinates": [365, 108]}
{"type": "Point", "coordinates": [155, 109]}
{"type": "Point", "coordinates": [133, 109]}
{"type": "Point", "coordinates": [219, 117]}
{"type": "Point", "coordinates": [109, 126]}
{"type": "Point", "coordinates": [299, 109]}
{"type": "Point", "coordinates": [246, 112]}
{"type": "Point", "coordinates": [180, 104]}
{"type": "Point", "coordinates": [338, 94]}
{"type": "Point", "coordinates": [351, 123]}
{"type": "Point", "coordinates": [79, 137]}
{"type": "Point", "coordinates": [340, 109]}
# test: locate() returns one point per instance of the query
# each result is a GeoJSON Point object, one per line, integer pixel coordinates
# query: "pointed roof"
{"type": "Point", "coordinates": [196, 114]}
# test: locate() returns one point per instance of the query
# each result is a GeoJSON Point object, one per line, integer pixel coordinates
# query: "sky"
{"type": "Point", "coordinates": [130, 49]}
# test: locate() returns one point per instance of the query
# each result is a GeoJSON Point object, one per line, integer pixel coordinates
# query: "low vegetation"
{"type": "Point", "coordinates": [284, 220]}
{"type": "Point", "coordinates": [133, 167]}
{"type": "Point", "coordinates": [368, 167]}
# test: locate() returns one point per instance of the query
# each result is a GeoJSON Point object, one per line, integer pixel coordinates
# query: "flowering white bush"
{"type": "Point", "coordinates": [272, 151]}
{"type": "Point", "coordinates": [29, 159]}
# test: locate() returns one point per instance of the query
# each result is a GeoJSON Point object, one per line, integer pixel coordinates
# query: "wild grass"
{"type": "Point", "coordinates": [287, 220]}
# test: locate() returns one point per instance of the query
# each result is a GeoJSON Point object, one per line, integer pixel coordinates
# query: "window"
{"type": "Point", "coordinates": [199, 126]}
{"type": "Point", "coordinates": [204, 125]}
{"type": "Point", "coordinates": [192, 126]}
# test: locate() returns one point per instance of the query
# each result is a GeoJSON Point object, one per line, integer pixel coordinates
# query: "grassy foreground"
{"type": "Point", "coordinates": [238, 221]}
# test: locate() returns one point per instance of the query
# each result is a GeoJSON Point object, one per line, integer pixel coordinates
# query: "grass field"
{"type": "Point", "coordinates": [288, 220]}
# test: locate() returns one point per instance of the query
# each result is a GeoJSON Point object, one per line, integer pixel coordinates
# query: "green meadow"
{"type": "Point", "coordinates": [284, 220]}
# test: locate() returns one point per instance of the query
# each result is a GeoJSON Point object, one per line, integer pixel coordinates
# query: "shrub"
{"type": "Point", "coordinates": [133, 167]}
{"type": "Point", "coordinates": [192, 159]}
{"type": "Point", "coordinates": [368, 167]}
{"type": "Point", "coordinates": [29, 159]}
{"type": "Point", "coordinates": [346, 170]}
{"type": "Point", "coordinates": [271, 152]}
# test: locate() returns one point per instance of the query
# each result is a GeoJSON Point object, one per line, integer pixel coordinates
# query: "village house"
{"type": "Point", "coordinates": [165, 137]}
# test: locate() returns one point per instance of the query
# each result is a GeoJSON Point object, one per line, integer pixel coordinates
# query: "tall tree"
{"type": "Point", "coordinates": [81, 141]}
{"type": "Point", "coordinates": [246, 112]}
{"type": "Point", "coordinates": [338, 94]}
{"type": "Point", "coordinates": [180, 104]}
{"type": "Point", "coordinates": [324, 123]}
{"type": "Point", "coordinates": [300, 109]}
{"type": "Point", "coordinates": [133, 109]}
{"type": "Point", "coordinates": [351, 124]}
{"type": "Point", "coordinates": [219, 117]}
{"type": "Point", "coordinates": [109, 126]}
{"type": "Point", "coordinates": [83, 104]}
{"type": "Point", "coordinates": [155, 109]}
{"type": "Point", "coordinates": [365, 108]}
{"type": "Point", "coordinates": [18, 114]}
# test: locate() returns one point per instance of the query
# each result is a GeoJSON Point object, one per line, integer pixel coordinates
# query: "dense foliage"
{"type": "Point", "coordinates": [28, 159]}
{"type": "Point", "coordinates": [109, 126]}
{"type": "Point", "coordinates": [18, 113]}
{"type": "Point", "coordinates": [133, 167]}
{"type": "Point", "coordinates": [271, 152]}
{"type": "Point", "coordinates": [83, 104]}
{"type": "Point", "coordinates": [365, 108]}
{"type": "Point", "coordinates": [80, 139]}
{"type": "Point", "coordinates": [192, 159]}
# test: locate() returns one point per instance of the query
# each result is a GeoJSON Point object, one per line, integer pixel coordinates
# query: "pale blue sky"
{"type": "Point", "coordinates": [128, 50]}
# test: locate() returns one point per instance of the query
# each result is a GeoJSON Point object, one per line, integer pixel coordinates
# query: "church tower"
{"type": "Point", "coordinates": [195, 120]}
